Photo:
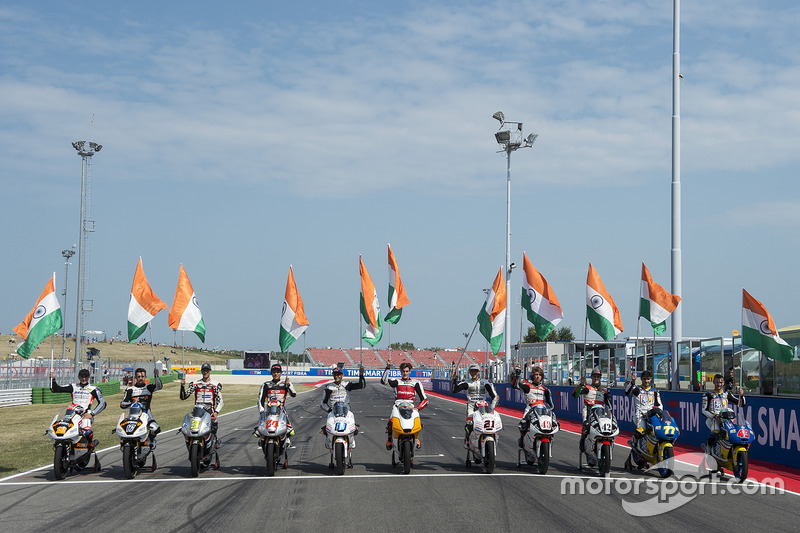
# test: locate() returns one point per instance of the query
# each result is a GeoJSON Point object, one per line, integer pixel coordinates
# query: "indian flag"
{"type": "Point", "coordinates": [370, 308]}
{"type": "Point", "coordinates": [539, 300]}
{"type": "Point", "coordinates": [492, 316]}
{"type": "Point", "coordinates": [601, 310]}
{"type": "Point", "coordinates": [293, 316]}
{"type": "Point", "coordinates": [43, 320]}
{"type": "Point", "coordinates": [397, 294]}
{"type": "Point", "coordinates": [758, 330]}
{"type": "Point", "coordinates": [184, 315]}
{"type": "Point", "coordinates": [144, 304]}
{"type": "Point", "coordinates": [655, 303]}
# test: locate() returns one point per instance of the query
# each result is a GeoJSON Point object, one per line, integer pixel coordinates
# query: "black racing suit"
{"type": "Point", "coordinates": [144, 395]}
{"type": "Point", "coordinates": [207, 394]}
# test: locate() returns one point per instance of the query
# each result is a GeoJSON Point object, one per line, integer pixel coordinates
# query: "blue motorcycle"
{"type": "Point", "coordinates": [655, 447]}
{"type": "Point", "coordinates": [730, 449]}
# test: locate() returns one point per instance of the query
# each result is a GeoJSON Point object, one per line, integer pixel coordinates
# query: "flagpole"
{"type": "Point", "coordinates": [467, 344]}
{"type": "Point", "coordinates": [583, 357]}
{"type": "Point", "coordinates": [183, 351]}
{"type": "Point", "coordinates": [152, 348]}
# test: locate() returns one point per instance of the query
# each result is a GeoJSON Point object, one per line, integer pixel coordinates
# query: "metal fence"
{"type": "Point", "coordinates": [36, 372]}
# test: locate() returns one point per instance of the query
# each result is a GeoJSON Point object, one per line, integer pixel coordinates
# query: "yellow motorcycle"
{"type": "Point", "coordinates": [406, 426]}
{"type": "Point", "coordinates": [730, 450]}
{"type": "Point", "coordinates": [655, 447]}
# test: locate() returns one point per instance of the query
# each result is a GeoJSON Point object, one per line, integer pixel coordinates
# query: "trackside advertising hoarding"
{"type": "Point", "coordinates": [328, 372]}
{"type": "Point", "coordinates": [773, 420]}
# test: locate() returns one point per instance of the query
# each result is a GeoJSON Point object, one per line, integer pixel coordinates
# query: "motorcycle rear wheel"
{"type": "Point", "coordinates": [740, 466]}
{"type": "Point", "coordinates": [604, 461]}
{"type": "Point", "coordinates": [269, 452]}
{"type": "Point", "coordinates": [194, 458]}
{"type": "Point", "coordinates": [667, 462]}
{"type": "Point", "coordinates": [406, 452]}
{"type": "Point", "coordinates": [60, 462]}
{"type": "Point", "coordinates": [130, 466]}
{"type": "Point", "coordinates": [488, 461]}
{"type": "Point", "coordinates": [338, 453]}
{"type": "Point", "coordinates": [544, 457]}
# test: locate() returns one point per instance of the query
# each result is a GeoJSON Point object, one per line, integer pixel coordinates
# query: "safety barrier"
{"type": "Point", "coordinates": [773, 420]}
{"type": "Point", "coordinates": [43, 394]}
{"type": "Point", "coordinates": [15, 397]}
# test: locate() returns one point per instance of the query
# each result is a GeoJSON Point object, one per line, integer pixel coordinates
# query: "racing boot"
{"type": "Point", "coordinates": [389, 435]}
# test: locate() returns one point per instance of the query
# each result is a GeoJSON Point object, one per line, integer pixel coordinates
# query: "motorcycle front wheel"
{"type": "Point", "coordinates": [60, 462]}
{"type": "Point", "coordinates": [129, 463]}
{"type": "Point", "coordinates": [406, 451]}
{"type": "Point", "coordinates": [488, 460]}
{"type": "Point", "coordinates": [269, 452]}
{"type": "Point", "coordinates": [667, 462]}
{"type": "Point", "coordinates": [604, 461]}
{"type": "Point", "coordinates": [544, 457]}
{"type": "Point", "coordinates": [338, 452]}
{"type": "Point", "coordinates": [740, 466]}
{"type": "Point", "coordinates": [194, 458]}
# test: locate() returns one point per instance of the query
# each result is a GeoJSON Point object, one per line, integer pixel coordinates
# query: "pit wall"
{"type": "Point", "coordinates": [773, 420]}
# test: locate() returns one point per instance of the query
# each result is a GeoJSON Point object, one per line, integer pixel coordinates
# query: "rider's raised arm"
{"type": "Point", "coordinates": [218, 396]}
{"type": "Point", "coordinates": [385, 378]}
{"type": "Point", "coordinates": [101, 402]}
{"type": "Point", "coordinates": [325, 397]}
{"type": "Point", "coordinates": [290, 389]}
{"type": "Point", "coordinates": [548, 399]}
{"type": "Point", "coordinates": [495, 399]}
{"type": "Point", "coordinates": [262, 394]}
{"type": "Point", "coordinates": [630, 388]}
{"type": "Point", "coordinates": [579, 390]}
{"type": "Point", "coordinates": [707, 410]}
{"type": "Point", "coordinates": [127, 398]}
{"type": "Point", "coordinates": [186, 393]}
{"type": "Point", "coordinates": [55, 387]}
{"type": "Point", "coordinates": [152, 387]}
{"type": "Point", "coordinates": [736, 400]}
{"type": "Point", "coordinates": [657, 398]}
{"type": "Point", "coordinates": [423, 398]}
{"type": "Point", "coordinates": [362, 384]}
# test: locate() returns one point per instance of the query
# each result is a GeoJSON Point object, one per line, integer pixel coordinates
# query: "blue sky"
{"type": "Point", "coordinates": [243, 138]}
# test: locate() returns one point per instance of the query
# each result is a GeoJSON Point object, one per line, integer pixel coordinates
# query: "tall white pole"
{"type": "Point", "coordinates": [507, 328]}
{"type": "Point", "coordinates": [677, 283]}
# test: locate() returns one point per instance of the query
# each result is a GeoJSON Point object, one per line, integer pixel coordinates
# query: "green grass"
{"type": "Point", "coordinates": [25, 444]}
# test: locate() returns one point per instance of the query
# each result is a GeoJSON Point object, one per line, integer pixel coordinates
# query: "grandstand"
{"type": "Point", "coordinates": [329, 356]}
{"type": "Point", "coordinates": [426, 358]}
{"type": "Point", "coordinates": [369, 357]}
{"type": "Point", "coordinates": [398, 356]}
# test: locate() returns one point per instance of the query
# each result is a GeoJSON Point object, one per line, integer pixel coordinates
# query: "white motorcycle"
{"type": "Point", "coordinates": [340, 431]}
{"type": "Point", "coordinates": [541, 425]}
{"type": "Point", "coordinates": [406, 425]}
{"type": "Point", "coordinates": [272, 431]}
{"type": "Point", "coordinates": [482, 444]}
{"type": "Point", "coordinates": [134, 439]}
{"type": "Point", "coordinates": [603, 429]}
{"type": "Point", "coordinates": [70, 448]}
{"type": "Point", "coordinates": [200, 440]}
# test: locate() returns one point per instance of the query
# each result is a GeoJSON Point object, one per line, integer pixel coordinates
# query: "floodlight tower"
{"type": "Point", "coordinates": [509, 141]}
{"type": "Point", "coordinates": [86, 149]}
{"type": "Point", "coordinates": [67, 254]}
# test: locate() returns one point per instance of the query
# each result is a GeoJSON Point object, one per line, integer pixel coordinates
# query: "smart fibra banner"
{"type": "Point", "coordinates": [773, 420]}
{"type": "Point", "coordinates": [328, 372]}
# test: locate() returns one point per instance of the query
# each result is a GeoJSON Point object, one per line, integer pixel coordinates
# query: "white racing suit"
{"type": "Point", "coordinates": [713, 403]}
{"type": "Point", "coordinates": [477, 390]}
{"type": "Point", "coordinates": [643, 401]}
{"type": "Point", "coordinates": [82, 397]}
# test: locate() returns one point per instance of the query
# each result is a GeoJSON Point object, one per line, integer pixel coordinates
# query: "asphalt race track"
{"type": "Point", "coordinates": [440, 492]}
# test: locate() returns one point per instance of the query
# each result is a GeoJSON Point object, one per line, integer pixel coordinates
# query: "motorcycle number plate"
{"type": "Point", "coordinates": [743, 433]}
{"type": "Point", "coordinates": [195, 424]}
{"type": "Point", "coordinates": [272, 424]}
{"type": "Point", "coordinates": [131, 427]}
{"type": "Point", "coordinates": [488, 424]}
{"type": "Point", "coordinates": [546, 423]}
{"type": "Point", "coordinates": [605, 426]}
{"type": "Point", "coordinates": [61, 430]}
{"type": "Point", "coordinates": [341, 426]}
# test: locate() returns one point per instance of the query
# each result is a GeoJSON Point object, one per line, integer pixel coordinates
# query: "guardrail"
{"type": "Point", "coordinates": [16, 397]}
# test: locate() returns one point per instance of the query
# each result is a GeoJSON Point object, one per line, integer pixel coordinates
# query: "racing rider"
{"type": "Point", "coordinates": [207, 394]}
{"type": "Point", "coordinates": [142, 392]}
{"type": "Point", "coordinates": [83, 395]}
{"type": "Point", "coordinates": [277, 389]}
{"type": "Point", "coordinates": [535, 394]}
{"type": "Point", "coordinates": [338, 391]}
{"type": "Point", "coordinates": [593, 394]}
{"type": "Point", "coordinates": [645, 398]}
{"type": "Point", "coordinates": [713, 403]}
{"type": "Point", "coordinates": [477, 389]}
{"type": "Point", "coordinates": [405, 388]}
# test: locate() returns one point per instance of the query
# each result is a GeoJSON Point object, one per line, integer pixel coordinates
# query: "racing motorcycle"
{"type": "Point", "coordinates": [71, 450]}
{"type": "Point", "coordinates": [730, 450]}
{"type": "Point", "coordinates": [655, 447]}
{"type": "Point", "coordinates": [541, 426]}
{"type": "Point", "coordinates": [599, 443]}
{"type": "Point", "coordinates": [200, 440]}
{"type": "Point", "coordinates": [406, 426]}
{"type": "Point", "coordinates": [340, 431]}
{"type": "Point", "coordinates": [272, 431]}
{"type": "Point", "coordinates": [134, 439]}
{"type": "Point", "coordinates": [482, 444]}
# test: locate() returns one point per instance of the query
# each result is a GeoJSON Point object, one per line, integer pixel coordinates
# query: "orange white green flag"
{"type": "Point", "coordinates": [655, 303]}
{"type": "Point", "coordinates": [759, 332]}
{"type": "Point", "coordinates": [601, 310]}
{"type": "Point", "coordinates": [492, 316]}
{"type": "Point", "coordinates": [370, 308]}
{"type": "Point", "coordinates": [539, 300]}
{"type": "Point", "coordinates": [43, 320]}
{"type": "Point", "coordinates": [185, 315]}
{"type": "Point", "coordinates": [293, 316]}
{"type": "Point", "coordinates": [144, 304]}
{"type": "Point", "coordinates": [397, 293]}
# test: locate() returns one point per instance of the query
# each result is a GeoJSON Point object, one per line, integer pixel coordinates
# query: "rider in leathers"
{"type": "Point", "coordinates": [83, 395]}
{"type": "Point", "coordinates": [713, 403]}
{"type": "Point", "coordinates": [143, 393]}
{"type": "Point", "coordinates": [278, 389]}
{"type": "Point", "coordinates": [207, 394]}
{"type": "Point", "coordinates": [592, 394]}
{"type": "Point", "coordinates": [336, 391]}
{"type": "Point", "coordinates": [405, 388]}
{"type": "Point", "coordinates": [535, 394]}
{"type": "Point", "coordinates": [477, 389]}
{"type": "Point", "coordinates": [645, 398]}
